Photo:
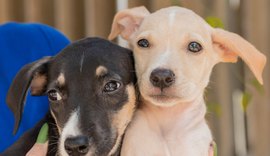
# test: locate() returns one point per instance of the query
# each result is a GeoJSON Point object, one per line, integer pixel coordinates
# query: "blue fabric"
{"type": "Point", "coordinates": [21, 44]}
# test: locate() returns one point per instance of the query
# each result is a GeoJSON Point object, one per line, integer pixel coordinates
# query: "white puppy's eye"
{"type": "Point", "coordinates": [143, 43]}
{"type": "Point", "coordinates": [111, 86]}
{"type": "Point", "coordinates": [194, 47]}
{"type": "Point", "coordinates": [53, 95]}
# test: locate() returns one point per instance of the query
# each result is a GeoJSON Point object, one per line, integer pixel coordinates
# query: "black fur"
{"type": "Point", "coordinates": [83, 90]}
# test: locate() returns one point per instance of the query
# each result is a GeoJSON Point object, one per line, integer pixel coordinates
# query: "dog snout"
{"type": "Point", "coordinates": [162, 78]}
{"type": "Point", "coordinates": [77, 145]}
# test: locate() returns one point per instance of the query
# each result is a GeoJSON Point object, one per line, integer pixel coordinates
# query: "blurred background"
{"type": "Point", "coordinates": [239, 108]}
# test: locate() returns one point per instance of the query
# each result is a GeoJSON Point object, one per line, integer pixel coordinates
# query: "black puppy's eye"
{"type": "Point", "coordinates": [143, 43]}
{"type": "Point", "coordinates": [111, 86]}
{"type": "Point", "coordinates": [194, 47]}
{"type": "Point", "coordinates": [54, 95]}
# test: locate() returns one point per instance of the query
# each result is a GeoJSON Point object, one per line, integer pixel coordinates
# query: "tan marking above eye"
{"type": "Point", "coordinates": [61, 79]}
{"type": "Point", "coordinates": [38, 83]}
{"type": "Point", "coordinates": [101, 70]}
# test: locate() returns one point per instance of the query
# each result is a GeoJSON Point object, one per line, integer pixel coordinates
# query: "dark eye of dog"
{"type": "Point", "coordinates": [143, 43]}
{"type": "Point", "coordinates": [194, 47]}
{"type": "Point", "coordinates": [54, 95]}
{"type": "Point", "coordinates": [111, 86]}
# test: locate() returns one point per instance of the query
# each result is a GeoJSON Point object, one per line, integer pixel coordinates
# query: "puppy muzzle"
{"type": "Point", "coordinates": [162, 78]}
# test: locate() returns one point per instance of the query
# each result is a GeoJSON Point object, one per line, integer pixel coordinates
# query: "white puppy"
{"type": "Point", "coordinates": [175, 51]}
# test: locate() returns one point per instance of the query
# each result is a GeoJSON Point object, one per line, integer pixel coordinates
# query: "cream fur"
{"type": "Point", "coordinates": [176, 125]}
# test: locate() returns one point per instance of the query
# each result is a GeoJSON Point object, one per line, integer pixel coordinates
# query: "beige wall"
{"type": "Point", "coordinates": [81, 18]}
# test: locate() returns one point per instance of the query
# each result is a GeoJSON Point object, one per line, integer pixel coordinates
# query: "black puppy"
{"type": "Point", "coordinates": [90, 86]}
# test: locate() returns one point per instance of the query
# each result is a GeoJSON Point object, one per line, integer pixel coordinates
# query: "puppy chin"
{"type": "Point", "coordinates": [169, 97]}
{"type": "Point", "coordinates": [160, 100]}
{"type": "Point", "coordinates": [168, 101]}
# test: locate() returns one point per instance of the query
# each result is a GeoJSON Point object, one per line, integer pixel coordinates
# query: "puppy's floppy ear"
{"type": "Point", "coordinates": [34, 75]}
{"type": "Point", "coordinates": [230, 46]}
{"type": "Point", "coordinates": [127, 21]}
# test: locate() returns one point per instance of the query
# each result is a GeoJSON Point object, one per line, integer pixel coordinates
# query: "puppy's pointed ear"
{"type": "Point", "coordinates": [230, 46]}
{"type": "Point", "coordinates": [127, 21]}
{"type": "Point", "coordinates": [34, 75]}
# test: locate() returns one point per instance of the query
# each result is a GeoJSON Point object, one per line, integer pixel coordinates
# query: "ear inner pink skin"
{"type": "Point", "coordinates": [233, 45]}
{"type": "Point", "coordinates": [126, 22]}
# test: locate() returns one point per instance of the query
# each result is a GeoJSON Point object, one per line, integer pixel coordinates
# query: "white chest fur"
{"type": "Point", "coordinates": [179, 131]}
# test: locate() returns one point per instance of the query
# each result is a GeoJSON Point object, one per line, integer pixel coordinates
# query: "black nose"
{"type": "Point", "coordinates": [77, 145]}
{"type": "Point", "coordinates": [162, 78]}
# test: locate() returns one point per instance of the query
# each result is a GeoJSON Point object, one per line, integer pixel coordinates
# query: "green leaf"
{"type": "Point", "coordinates": [215, 149]}
{"type": "Point", "coordinates": [246, 100]}
{"type": "Point", "coordinates": [43, 134]}
{"type": "Point", "coordinates": [214, 22]}
{"type": "Point", "coordinates": [215, 108]}
{"type": "Point", "coordinates": [256, 84]}
{"type": "Point", "coordinates": [176, 2]}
